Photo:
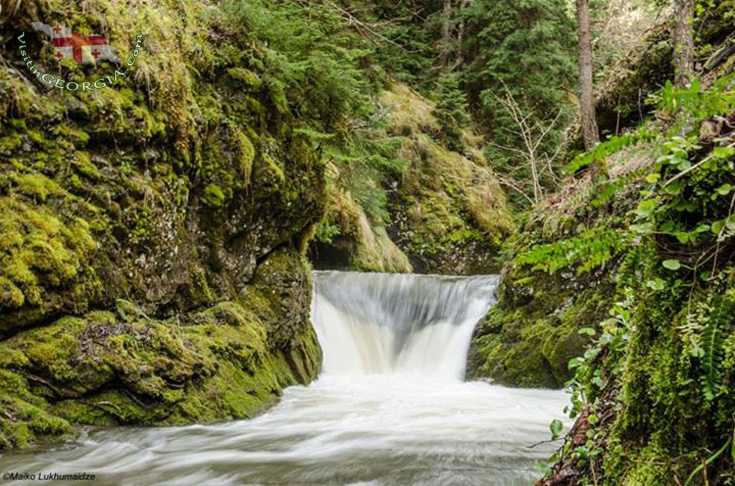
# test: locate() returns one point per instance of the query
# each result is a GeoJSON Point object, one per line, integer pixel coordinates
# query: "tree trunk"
{"type": "Point", "coordinates": [446, 33]}
{"type": "Point", "coordinates": [586, 100]}
{"type": "Point", "coordinates": [460, 34]}
{"type": "Point", "coordinates": [683, 43]}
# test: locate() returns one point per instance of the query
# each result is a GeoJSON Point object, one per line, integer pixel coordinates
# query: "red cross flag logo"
{"type": "Point", "coordinates": [72, 45]}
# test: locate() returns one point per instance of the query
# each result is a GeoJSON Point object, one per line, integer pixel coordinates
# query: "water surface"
{"type": "Point", "coordinates": [389, 409]}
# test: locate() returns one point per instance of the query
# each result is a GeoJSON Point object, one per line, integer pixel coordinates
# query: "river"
{"type": "Point", "coordinates": [390, 407]}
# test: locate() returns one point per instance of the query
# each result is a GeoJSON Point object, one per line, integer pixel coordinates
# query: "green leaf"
{"type": "Point", "coordinates": [653, 177]}
{"type": "Point", "coordinates": [709, 460]}
{"type": "Point", "coordinates": [675, 187]}
{"type": "Point", "coordinates": [646, 208]}
{"type": "Point", "coordinates": [717, 226]}
{"type": "Point", "coordinates": [724, 189]}
{"type": "Point", "coordinates": [556, 427]}
{"type": "Point", "coordinates": [587, 331]}
{"type": "Point", "coordinates": [642, 228]}
{"type": "Point", "coordinates": [672, 264]}
{"type": "Point", "coordinates": [656, 284]}
{"type": "Point", "coordinates": [723, 152]}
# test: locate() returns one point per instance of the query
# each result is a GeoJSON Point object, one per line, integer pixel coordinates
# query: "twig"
{"type": "Point", "coordinates": [544, 442]}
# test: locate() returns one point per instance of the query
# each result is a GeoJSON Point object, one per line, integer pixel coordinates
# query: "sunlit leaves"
{"type": "Point", "coordinates": [672, 264]}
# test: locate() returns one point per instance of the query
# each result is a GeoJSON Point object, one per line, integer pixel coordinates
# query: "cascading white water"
{"type": "Point", "coordinates": [398, 324]}
{"type": "Point", "coordinates": [389, 409]}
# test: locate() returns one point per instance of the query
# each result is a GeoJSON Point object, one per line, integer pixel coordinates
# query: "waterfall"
{"type": "Point", "coordinates": [389, 408]}
{"type": "Point", "coordinates": [398, 324]}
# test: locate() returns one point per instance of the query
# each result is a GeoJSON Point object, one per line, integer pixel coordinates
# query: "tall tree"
{"type": "Point", "coordinates": [460, 34]}
{"type": "Point", "coordinates": [446, 41]}
{"type": "Point", "coordinates": [683, 42]}
{"type": "Point", "coordinates": [586, 99]}
{"type": "Point", "coordinates": [528, 50]}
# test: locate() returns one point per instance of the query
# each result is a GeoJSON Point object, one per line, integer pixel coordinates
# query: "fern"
{"type": "Point", "coordinates": [609, 189]}
{"type": "Point", "coordinates": [609, 147]}
{"type": "Point", "coordinates": [591, 249]}
{"type": "Point", "coordinates": [713, 349]}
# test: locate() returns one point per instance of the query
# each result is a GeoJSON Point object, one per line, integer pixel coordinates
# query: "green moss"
{"type": "Point", "coordinates": [245, 78]}
{"type": "Point", "coordinates": [270, 171]}
{"type": "Point", "coordinates": [36, 186]}
{"type": "Point", "coordinates": [40, 253]}
{"type": "Point", "coordinates": [9, 144]}
{"type": "Point", "coordinates": [23, 423]}
{"type": "Point", "coordinates": [213, 196]}
{"type": "Point", "coordinates": [98, 193]}
{"type": "Point", "coordinates": [227, 362]}
{"type": "Point", "coordinates": [448, 213]}
{"type": "Point", "coordinates": [247, 156]}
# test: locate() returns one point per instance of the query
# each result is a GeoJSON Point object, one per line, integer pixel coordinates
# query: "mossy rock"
{"type": "Point", "coordinates": [149, 270]}
{"type": "Point", "coordinates": [227, 362]}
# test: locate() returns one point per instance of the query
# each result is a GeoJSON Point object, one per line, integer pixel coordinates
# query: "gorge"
{"type": "Point", "coordinates": [369, 241]}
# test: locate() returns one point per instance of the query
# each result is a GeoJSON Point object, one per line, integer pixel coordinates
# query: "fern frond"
{"type": "Point", "coordinates": [713, 342]}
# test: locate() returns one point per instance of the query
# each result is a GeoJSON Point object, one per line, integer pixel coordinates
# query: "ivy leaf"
{"type": "Point", "coordinates": [672, 264]}
{"type": "Point", "coordinates": [653, 177]}
{"type": "Point", "coordinates": [556, 427]}
{"type": "Point", "coordinates": [724, 189]}
{"type": "Point", "coordinates": [656, 284]}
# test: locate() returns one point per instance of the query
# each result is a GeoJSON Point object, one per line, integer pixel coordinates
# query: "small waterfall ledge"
{"type": "Point", "coordinates": [387, 324]}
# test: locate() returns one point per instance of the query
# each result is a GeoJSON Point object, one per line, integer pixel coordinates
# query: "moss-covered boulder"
{"type": "Point", "coordinates": [530, 336]}
{"type": "Point", "coordinates": [228, 361]}
{"type": "Point", "coordinates": [151, 231]}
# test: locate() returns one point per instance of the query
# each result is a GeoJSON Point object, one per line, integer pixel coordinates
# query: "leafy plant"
{"type": "Point", "coordinates": [591, 249]}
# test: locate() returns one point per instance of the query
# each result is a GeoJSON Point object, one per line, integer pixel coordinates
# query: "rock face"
{"type": "Point", "coordinates": [559, 283]}
{"type": "Point", "coordinates": [528, 338]}
{"type": "Point", "coordinates": [151, 232]}
{"type": "Point", "coordinates": [445, 211]}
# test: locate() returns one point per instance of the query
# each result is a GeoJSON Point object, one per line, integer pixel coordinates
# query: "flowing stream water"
{"type": "Point", "coordinates": [390, 407]}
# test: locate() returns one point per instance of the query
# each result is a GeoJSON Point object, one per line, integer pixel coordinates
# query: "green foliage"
{"type": "Point", "coordinates": [694, 102]}
{"type": "Point", "coordinates": [590, 249]}
{"type": "Point", "coordinates": [365, 161]}
{"type": "Point", "coordinates": [556, 427]}
{"type": "Point", "coordinates": [451, 111]}
{"type": "Point", "coordinates": [327, 231]}
{"type": "Point", "coordinates": [663, 361]}
{"type": "Point", "coordinates": [712, 340]}
{"type": "Point", "coordinates": [311, 54]}
{"type": "Point", "coordinates": [609, 147]}
{"type": "Point", "coordinates": [708, 461]}
{"type": "Point", "coordinates": [527, 47]}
